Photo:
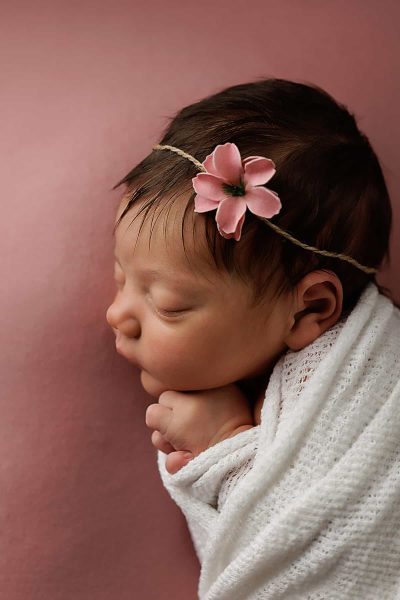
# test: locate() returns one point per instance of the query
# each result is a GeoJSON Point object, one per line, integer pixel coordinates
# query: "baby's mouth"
{"type": "Point", "coordinates": [119, 344]}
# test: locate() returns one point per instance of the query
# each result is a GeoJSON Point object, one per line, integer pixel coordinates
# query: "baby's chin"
{"type": "Point", "coordinates": [151, 385]}
{"type": "Point", "coordinates": [155, 388]}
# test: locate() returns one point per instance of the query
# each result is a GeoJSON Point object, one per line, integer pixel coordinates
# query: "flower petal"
{"type": "Point", "coordinates": [229, 213]}
{"type": "Point", "coordinates": [202, 204]}
{"type": "Point", "coordinates": [262, 202]}
{"type": "Point", "coordinates": [258, 171]}
{"type": "Point", "coordinates": [237, 233]}
{"type": "Point", "coordinates": [238, 230]}
{"type": "Point", "coordinates": [249, 158]}
{"type": "Point", "coordinates": [228, 162]}
{"type": "Point", "coordinates": [208, 163]}
{"type": "Point", "coordinates": [209, 186]}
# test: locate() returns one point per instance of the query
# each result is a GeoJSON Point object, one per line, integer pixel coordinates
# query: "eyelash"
{"type": "Point", "coordinates": [160, 311]}
{"type": "Point", "coordinates": [169, 313]}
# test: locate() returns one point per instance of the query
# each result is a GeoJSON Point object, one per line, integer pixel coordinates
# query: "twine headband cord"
{"type": "Point", "coordinates": [277, 229]}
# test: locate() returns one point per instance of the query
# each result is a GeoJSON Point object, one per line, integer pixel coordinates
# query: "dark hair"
{"type": "Point", "coordinates": [328, 178]}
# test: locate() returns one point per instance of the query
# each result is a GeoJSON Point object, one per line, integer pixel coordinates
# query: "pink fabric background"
{"type": "Point", "coordinates": [85, 91]}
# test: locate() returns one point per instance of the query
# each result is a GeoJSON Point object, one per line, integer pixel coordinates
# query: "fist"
{"type": "Point", "coordinates": [190, 422]}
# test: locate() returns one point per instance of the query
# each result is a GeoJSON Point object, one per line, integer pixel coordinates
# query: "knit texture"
{"type": "Point", "coordinates": [306, 505]}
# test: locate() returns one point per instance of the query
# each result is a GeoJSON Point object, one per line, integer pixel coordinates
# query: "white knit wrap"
{"type": "Point", "coordinates": [315, 509]}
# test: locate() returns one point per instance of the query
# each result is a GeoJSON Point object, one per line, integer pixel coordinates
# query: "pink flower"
{"type": "Point", "coordinates": [231, 185]}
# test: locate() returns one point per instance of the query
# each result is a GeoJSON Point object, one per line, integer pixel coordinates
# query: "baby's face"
{"type": "Point", "coordinates": [186, 326]}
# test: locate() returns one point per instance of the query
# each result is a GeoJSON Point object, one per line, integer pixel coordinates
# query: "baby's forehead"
{"type": "Point", "coordinates": [164, 235]}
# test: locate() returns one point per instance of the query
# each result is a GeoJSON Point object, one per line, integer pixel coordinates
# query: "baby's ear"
{"type": "Point", "coordinates": [317, 307]}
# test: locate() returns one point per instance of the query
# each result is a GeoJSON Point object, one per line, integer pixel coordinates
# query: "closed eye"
{"type": "Point", "coordinates": [172, 312]}
{"type": "Point", "coordinates": [167, 312]}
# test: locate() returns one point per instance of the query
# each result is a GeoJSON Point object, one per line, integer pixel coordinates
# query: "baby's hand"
{"type": "Point", "coordinates": [193, 421]}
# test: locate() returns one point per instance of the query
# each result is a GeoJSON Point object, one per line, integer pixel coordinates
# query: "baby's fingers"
{"type": "Point", "coordinates": [158, 440]}
{"type": "Point", "coordinates": [158, 417]}
{"type": "Point", "coordinates": [176, 460]}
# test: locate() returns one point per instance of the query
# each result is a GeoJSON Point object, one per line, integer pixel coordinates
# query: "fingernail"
{"type": "Point", "coordinates": [188, 456]}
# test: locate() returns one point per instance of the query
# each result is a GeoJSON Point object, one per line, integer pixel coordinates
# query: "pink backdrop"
{"type": "Point", "coordinates": [86, 88]}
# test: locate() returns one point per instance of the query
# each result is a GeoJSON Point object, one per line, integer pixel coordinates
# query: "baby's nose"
{"type": "Point", "coordinates": [122, 320]}
{"type": "Point", "coordinates": [110, 317]}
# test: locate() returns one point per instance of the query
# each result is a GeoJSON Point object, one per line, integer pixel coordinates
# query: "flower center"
{"type": "Point", "coordinates": [234, 190]}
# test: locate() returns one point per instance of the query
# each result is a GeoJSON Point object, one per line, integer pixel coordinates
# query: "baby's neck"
{"type": "Point", "coordinates": [254, 390]}
{"type": "Point", "coordinates": [254, 386]}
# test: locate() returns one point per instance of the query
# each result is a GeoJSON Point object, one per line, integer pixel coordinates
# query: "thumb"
{"type": "Point", "coordinates": [176, 460]}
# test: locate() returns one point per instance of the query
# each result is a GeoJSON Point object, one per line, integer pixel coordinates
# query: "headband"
{"type": "Point", "coordinates": [231, 184]}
